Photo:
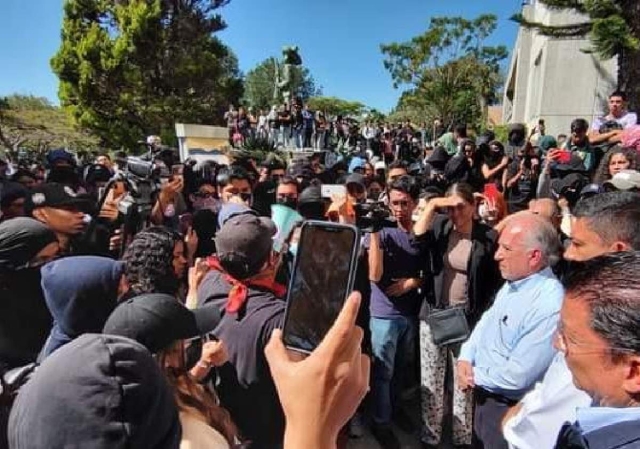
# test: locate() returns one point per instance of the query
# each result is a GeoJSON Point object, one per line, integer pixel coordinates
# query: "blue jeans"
{"type": "Point", "coordinates": [393, 341]}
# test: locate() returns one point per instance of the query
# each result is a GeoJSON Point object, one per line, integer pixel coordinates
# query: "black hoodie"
{"type": "Point", "coordinates": [97, 392]}
{"type": "Point", "coordinates": [24, 318]}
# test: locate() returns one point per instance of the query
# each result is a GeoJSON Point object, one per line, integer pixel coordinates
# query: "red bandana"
{"type": "Point", "coordinates": [240, 289]}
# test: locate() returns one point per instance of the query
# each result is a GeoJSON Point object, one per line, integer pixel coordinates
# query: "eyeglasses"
{"type": "Point", "coordinates": [563, 343]}
{"type": "Point", "coordinates": [204, 195]}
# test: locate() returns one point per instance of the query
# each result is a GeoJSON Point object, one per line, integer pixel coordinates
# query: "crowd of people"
{"type": "Point", "coordinates": [494, 287]}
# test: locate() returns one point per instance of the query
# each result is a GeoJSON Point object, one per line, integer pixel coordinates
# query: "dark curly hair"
{"type": "Point", "coordinates": [149, 262]}
{"type": "Point", "coordinates": [602, 173]}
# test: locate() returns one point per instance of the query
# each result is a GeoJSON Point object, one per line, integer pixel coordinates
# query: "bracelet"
{"type": "Point", "coordinates": [204, 365]}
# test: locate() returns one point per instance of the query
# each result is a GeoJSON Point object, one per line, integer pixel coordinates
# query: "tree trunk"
{"type": "Point", "coordinates": [629, 60]}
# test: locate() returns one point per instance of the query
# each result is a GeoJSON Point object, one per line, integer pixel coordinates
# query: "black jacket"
{"type": "Point", "coordinates": [621, 435]}
{"type": "Point", "coordinates": [483, 275]}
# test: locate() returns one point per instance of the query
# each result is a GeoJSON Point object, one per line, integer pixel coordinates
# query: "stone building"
{"type": "Point", "coordinates": [551, 78]}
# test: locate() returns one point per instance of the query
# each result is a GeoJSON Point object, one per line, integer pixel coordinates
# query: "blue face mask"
{"type": "Point", "coordinates": [293, 248]}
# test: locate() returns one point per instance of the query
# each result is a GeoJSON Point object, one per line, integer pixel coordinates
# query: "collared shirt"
{"type": "Point", "coordinates": [545, 409]}
{"type": "Point", "coordinates": [591, 419]}
{"type": "Point", "coordinates": [512, 345]}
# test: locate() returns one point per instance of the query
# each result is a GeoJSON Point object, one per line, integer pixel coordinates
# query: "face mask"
{"type": "Point", "coordinates": [482, 211]}
{"type": "Point", "coordinates": [212, 204]}
{"type": "Point", "coordinates": [293, 248]}
{"type": "Point", "coordinates": [288, 202]}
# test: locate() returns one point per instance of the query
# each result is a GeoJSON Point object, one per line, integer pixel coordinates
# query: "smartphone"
{"type": "Point", "coordinates": [185, 222]}
{"type": "Point", "coordinates": [323, 275]}
{"type": "Point", "coordinates": [331, 190]}
{"type": "Point", "coordinates": [564, 157]}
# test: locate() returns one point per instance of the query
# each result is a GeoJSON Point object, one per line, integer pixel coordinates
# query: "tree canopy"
{"type": "Point", "coordinates": [612, 26]}
{"type": "Point", "coordinates": [34, 124]}
{"type": "Point", "coordinates": [135, 67]}
{"type": "Point", "coordinates": [333, 106]}
{"type": "Point", "coordinates": [259, 84]}
{"type": "Point", "coordinates": [447, 72]}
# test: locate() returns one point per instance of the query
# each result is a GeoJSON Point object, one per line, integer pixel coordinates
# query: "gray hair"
{"type": "Point", "coordinates": [543, 236]}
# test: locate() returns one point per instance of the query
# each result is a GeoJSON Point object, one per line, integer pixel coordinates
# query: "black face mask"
{"type": "Point", "coordinates": [289, 202]}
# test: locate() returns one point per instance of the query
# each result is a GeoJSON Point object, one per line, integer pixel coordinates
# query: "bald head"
{"type": "Point", "coordinates": [528, 243]}
{"type": "Point", "coordinates": [546, 208]}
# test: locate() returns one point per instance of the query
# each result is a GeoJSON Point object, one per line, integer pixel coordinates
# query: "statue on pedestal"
{"type": "Point", "coordinates": [284, 82]}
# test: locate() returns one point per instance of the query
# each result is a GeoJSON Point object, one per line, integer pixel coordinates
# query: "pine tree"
{"type": "Point", "coordinates": [131, 68]}
{"type": "Point", "coordinates": [612, 26]}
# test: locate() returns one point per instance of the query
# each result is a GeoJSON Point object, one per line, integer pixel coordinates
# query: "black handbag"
{"type": "Point", "coordinates": [448, 326]}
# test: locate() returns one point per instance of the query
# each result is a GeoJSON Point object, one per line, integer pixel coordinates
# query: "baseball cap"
{"type": "Point", "coordinates": [57, 196]}
{"type": "Point", "coordinates": [355, 178]}
{"type": "Point", "coordinates": [380, 165]}
{"type": "Point", "coordinates": [356, 164]}
{"type": "Point", "coordinates": [591, 189]}
{"type": "Point", "coordinates": [243, 243]}
{"type": "Point", "coordinates": [157, 320]}
{"type": "Point", "coordinates": [625, 180]}
{"type": "Point", "coordinates": [571, 183]}
{"type": "Point", "coordinates": [230, 210]}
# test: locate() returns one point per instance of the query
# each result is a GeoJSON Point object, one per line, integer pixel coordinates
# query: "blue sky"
{"type": "Point", "coordinates": [339, 39]}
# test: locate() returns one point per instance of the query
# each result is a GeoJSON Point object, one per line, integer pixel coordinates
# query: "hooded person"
{"type": "Point", "coordinates": [80, 292]}
{"type": "Point", "coordinates": [97, 392]}
{"type": "Point", "coordinates": [25, 322]}
{"type": "Point", "coordinates": [241, 284]}
{"type": "Point", "coordinates": [517, 139]}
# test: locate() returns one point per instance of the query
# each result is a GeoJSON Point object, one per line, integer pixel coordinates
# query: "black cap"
{"type": "Point", "coordinates": [57, 196]}
{"type": "Point", "coordinates": [158, 320]}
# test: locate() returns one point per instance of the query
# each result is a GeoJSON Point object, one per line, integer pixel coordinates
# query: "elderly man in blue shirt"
{"type": "Point", "coordinates": [511, 347]}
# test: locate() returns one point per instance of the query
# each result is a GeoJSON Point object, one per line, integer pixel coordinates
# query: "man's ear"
{"type": "Point", "coordinates": [123, 286]}
{"type": "Point", "coordinates": [618, 246]}
{"type": "Point", "coordinates": [40, 215]}
{"type": "Point", "coordinates": [631, 381]}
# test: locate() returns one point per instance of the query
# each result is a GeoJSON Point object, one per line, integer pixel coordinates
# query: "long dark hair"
{"type": "Point", "coordinates": [189, 394]}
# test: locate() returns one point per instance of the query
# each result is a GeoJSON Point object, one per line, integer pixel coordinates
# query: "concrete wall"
{"type": "Point", "coordinates": [552, 79]}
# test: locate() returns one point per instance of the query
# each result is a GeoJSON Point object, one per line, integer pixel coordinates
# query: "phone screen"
{"type": "Point", "coordinates": [331, 190]}
{"type": "Point", "coordinates": [322, 278]}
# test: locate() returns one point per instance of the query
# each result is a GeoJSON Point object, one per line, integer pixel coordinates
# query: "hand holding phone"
{"type": "Point", "coordinates": [323, 276]}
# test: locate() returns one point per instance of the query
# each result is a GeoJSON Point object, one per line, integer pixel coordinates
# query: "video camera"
{"type": "Point", "coordinates": [373, 216]}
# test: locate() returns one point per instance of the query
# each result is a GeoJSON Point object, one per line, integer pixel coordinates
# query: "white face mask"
{"type": "Point", "coordinates": [482, 211]}
{"type": "Point", "coordinates": [293, 248]}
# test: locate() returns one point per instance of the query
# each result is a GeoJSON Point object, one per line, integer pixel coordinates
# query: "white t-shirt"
{"type": "Point", "coordinates": [627, 120]}
{"type": "Point", "coordinates": [545, 409]}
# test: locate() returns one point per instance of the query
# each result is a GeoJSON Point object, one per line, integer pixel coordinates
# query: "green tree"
{"type": "Point", "coordinates": [259, 84]}
{"type": "Point", "coordinates": [448, 72]}
{"type": "Point", "coordinates": [612, 26]}
{"type": "Point", "coordinates": [131, 68]}
{"type": "Point", "coordinates": [34, 124]}
{"type": "Point", "coordinates": [333, 106]}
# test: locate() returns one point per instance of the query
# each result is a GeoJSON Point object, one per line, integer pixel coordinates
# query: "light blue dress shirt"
{"type": "Point", "coordinates": [593, 418]}
{"type": "Point", "coordinates": [512, 345]}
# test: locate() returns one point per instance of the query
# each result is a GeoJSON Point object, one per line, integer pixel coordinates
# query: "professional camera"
{"type": "Point", "coordinates": [373, 216]}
